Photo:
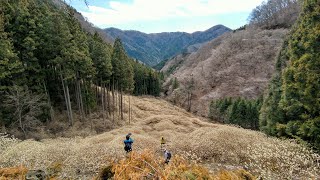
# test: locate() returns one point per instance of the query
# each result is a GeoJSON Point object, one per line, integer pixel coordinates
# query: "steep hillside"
{"type": "Point", "coordinates": [153, 48]}
{"type": "Point", "coordinates": [235, 64]}
{"type": "Point", "coordinates": [213, 145]}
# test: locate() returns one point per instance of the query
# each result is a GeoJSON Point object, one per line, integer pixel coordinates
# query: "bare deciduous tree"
{"type": "Point", "coordinates": [275, 14]}
{"type": "Point", "coordinates": [190, 84]}
{"type": "Point", "coordinates": [27, 107]}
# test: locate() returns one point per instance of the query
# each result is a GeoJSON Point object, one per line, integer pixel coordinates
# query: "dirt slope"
{"type": "Point", "coordinates": [235, 64]}
{"type": "Point", "coordinates": [216, 146]}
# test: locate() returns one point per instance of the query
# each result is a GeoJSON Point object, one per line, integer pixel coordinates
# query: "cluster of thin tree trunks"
{"type": "Point", "coordinates": [108, 98]}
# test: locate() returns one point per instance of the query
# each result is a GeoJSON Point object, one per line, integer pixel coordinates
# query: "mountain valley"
{"type": "Point", "coordinates": [152, 49]}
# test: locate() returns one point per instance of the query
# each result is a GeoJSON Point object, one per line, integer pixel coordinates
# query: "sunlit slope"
{"type": "Point", "coordinates": [216, 146]}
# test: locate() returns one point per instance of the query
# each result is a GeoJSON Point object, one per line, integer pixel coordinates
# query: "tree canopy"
{"type": "Point", "coordinates": [292, 102]}
{"type": "Point", "coordinates": [45, 52]}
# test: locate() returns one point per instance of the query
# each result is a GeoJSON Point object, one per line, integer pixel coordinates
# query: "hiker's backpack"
{"type": "Point", "coordinates": [127, 147]}
{"type": "Point", "coordinates": [168, 155]}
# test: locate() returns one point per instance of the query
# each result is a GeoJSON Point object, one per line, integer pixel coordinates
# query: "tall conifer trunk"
{"type": "Point", "coordinates": [97, 92]}
{"type": "Point", "coordinates": [121, 103]}
{"type": "Point", "coordinates": [129, 109]}
{"type": "Point", "coordinates": [108, 99]}
{"type": "Point", "coordinates": [102, 104]}
{"type": "Point", "coordinates": [69, 104]}
{"type": "Point", "coordinates": [49, 102]}
{"type": "Point", "coordinates": [66, 98]}
{"type": "Point", "coordinates": [77, 90]}
{"type": "Point", "coordinates": [81, 101]}
{"type": "Point", "coordinates": [113, 101]}
{"type": "Point", "coordinates": [105, 100]}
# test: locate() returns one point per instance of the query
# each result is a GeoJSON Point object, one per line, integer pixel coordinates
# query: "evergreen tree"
{"type": "Point", "coordinates": [9, 61]}
{"type": "Point", "coordinates": [101, 56]}
{"type": "Point", "coordinates": [122, 68]}
{"type": "Point", "coordinates": [44, 49]}
{"type": "Point", "coordinates": [175, 83]}
{"type": "Point", "coordinates": [23, 24]}
{"type": "Point", "coordinates": [271, 113]}
{"type": "Point", "coordinates": [10, 66]}
{"type": "Point", "coordinates": [301, 85]}
{"type": "Point", "coordinates": [240, 111]}
{"type": "Point", "coordinates": [100, 53]}
{"type": "Point", "coordinates": [291, 106]}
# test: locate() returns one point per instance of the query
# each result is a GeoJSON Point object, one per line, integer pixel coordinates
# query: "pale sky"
{"type": "Point", "coordinates": [153, 16]}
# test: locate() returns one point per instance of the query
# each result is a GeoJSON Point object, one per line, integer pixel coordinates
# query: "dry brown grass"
{"type": "Point", "coordinates": [216, 146]}
{"type": "Point", "coordinates": [146, 165]}
{"type": "Point", "coordinates": [13, 173]}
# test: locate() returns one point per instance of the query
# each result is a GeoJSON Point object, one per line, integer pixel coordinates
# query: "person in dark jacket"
{"type": "Point", "coordinates": [167, 156]}
{"type": "Point", "coordinates": [128, 143]}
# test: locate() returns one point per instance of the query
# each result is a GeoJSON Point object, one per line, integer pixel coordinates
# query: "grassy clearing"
{"type": "Point", "coordinates": [216, 146]}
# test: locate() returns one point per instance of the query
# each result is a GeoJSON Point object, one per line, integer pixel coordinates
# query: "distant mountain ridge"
{"type": "Point", "coordinates": [156, 47]}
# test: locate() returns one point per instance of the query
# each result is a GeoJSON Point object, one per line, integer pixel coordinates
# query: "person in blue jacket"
{"type": "Point", "coordinates": [128, 143]}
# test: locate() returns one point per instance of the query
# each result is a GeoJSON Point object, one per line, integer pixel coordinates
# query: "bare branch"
{"type": "Point", "coordinates": [26, 105]}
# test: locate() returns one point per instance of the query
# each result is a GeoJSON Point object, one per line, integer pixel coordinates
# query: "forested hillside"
{"type": "Point", "coordinates": [237, 64]}
{"type": "Point", "coordinates": [85, 24]}
{"type": "Point", "coordinates": [68, 98]}
{"type": "Point", "coordinates": [155, 47]}
{"type": "Point", "coordinates": [51, 66]}
{"type": "Point", "coordinates": [291, 105]}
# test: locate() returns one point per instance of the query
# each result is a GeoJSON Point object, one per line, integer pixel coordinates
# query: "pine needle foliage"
{"type": "Point", "coordinates": [292, 102]}
{"type": "Point", "coordinates": [239, 111]}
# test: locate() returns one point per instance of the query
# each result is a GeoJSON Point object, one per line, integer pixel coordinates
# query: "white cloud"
{"type": "Point", "coordinates": [150, 10]}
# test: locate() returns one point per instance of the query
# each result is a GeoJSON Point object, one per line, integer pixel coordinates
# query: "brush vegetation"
{"type": "Point", "coordinates": [146, 165]}
{"type": "Point", "coordinates": [217, 147]}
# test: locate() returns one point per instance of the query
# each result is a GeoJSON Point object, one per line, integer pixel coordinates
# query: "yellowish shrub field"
{"type": "Point", "coordinates": [146, 165]}
{"type": "Point", "coordinates": [219, 148]}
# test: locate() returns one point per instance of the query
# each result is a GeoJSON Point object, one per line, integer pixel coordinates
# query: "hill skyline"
{"type": "Point", "coordinates": [166, 15]}
{"type": "Point", "coordinates": [153, 48]}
